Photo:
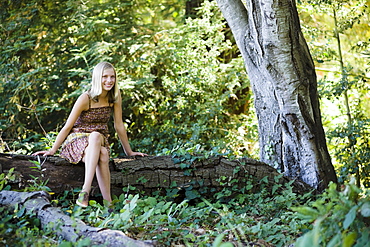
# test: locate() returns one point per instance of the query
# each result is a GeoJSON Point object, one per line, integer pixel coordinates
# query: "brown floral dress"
{"type": "Point", "coordinates": [93, 119]}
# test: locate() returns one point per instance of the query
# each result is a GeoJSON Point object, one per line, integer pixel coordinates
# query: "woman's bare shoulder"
{"type": "Point", "coordinates": [83, 101]}
{"type": "Point", "coordinates": [85, 96]}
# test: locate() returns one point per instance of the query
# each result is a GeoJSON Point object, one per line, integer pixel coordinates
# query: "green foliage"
{"type": "Point", "coordinates": [341, 218]}
{"type": "Point", "coordinates": [337, 34]}
{"type": "Point", "coordinates": [4, 178]}
{"type": "Point", "coordinates": [181, 81]}
{"type": "Point", "coordinates": [250, 217]}
{"type": "Point", "coordinates": [17, 229]}
{"type": "Point", "coordinates": [252, 214]}
{"type": "Point", "coordinates": [246, 217]}
{"type": "Point", "coordinates": [186, 101]}
{"type": "Point", "coordinates": [351, 147]}
{"type": "Point", "coordinates": [218, 242]}
{"type": "Point", "coordinates": [39, 182]}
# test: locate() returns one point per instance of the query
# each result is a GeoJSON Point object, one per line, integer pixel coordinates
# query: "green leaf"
{"type": "Point", "coordinates": [218, 240]}
{"type": "Point", "coordinates": [275, 187]}
{"type": "Point", "coordinates": [256, 228]}
{"type": "Point", "coordinates": [84, 242]}
{"type": "Point", "coordinates": [350, 217]}
{"type": "Point", "coordinates": [365, 209]}
{"type": "Point", "coordinates": [145, 216]}
{"type": "Point", "coordinates": [191, 194]}
{"type": "Point", "coordinates": [306, 240]}
{"type": "Point", "coordinates": [133, 202]}
{"type": "Point", "coordinates": [349, 239]}
{"type": "Point", "coordinates": [335, 241]}
{"type": "Point", "coordinates": [124, 217]}
{"type": "Point", "coordinates": [152, 201]}
{"type": "Point", "coordinates": [65, 244]}
{"type": "Point", "coordinates": [311, 238]}
{"type": "Point", "coordinates": [228, 244]}
{"type": "Point", "coordinates": [306, 213]}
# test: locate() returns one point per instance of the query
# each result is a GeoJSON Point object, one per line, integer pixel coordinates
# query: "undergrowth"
{"type": "Point", "coordinates": [255, 215]}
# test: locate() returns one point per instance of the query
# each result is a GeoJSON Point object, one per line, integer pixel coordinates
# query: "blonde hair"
{"type": "Point", "coordinates": [96, 86]}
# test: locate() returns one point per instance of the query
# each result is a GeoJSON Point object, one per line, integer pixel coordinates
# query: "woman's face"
{"type": "Point", "coordinates": [108, 79]}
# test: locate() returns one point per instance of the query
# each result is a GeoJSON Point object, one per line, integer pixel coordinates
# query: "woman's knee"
{"type": "Point", "coordinates": [95, 137]}
{"type": "Point", "coordinates": [104, 156]}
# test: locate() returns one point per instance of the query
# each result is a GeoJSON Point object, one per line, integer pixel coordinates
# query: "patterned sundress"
{"type": "Point", "coordinates": [93, 119]}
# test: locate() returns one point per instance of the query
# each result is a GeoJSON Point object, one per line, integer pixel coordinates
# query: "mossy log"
{"type": "Point", "coordinates": [148, 174]}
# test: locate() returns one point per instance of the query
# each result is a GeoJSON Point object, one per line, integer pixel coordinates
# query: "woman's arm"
{"type": "Point", "coordinates": [121, 130]}
{"type": "Point", "coordinates": [81, 104]}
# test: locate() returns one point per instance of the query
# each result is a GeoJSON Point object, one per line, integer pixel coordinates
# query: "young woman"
{"type": "Point", "coordinates": [84, 137]}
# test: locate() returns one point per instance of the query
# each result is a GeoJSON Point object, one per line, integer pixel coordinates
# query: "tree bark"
{"type": "Point", "coordinates": [284, 84]}
{"type": "Point", "coordinates": [70, 229]}
{"type": "Point", "coordinates": [147, 174]}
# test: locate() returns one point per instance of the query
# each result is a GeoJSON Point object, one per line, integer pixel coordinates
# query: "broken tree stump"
{"type": "Point", "coordinates": [148, 174]}
{"type": "Point", "coordinates": [37, 203]}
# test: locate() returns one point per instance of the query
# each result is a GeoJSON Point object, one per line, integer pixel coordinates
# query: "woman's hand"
{"type": "Point", "coordinates": [44, 153]}
{"type": "Point", "coordinates": [137, 154]}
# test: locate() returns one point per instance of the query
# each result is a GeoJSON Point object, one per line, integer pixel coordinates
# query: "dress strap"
{"type": "Point", "coordinates": [88, 95]}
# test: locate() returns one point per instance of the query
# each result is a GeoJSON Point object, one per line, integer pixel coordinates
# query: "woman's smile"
{"type": "Point", "coordinates": [108, 79]}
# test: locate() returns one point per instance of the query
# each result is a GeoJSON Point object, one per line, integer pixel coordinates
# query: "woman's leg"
{"type": "Point", "coordinates": [91, 159]}
{"type": "Point", "coordinates": [103, 174]}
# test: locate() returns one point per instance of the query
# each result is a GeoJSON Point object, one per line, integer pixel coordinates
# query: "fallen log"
{"type": "Point", "coordinates": [37, 203]}
{"type": "Point", "coordinates": [148, 174]}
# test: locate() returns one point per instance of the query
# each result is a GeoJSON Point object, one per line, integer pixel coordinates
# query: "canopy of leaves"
{"type": "Point", "coordinates": [181, 79]}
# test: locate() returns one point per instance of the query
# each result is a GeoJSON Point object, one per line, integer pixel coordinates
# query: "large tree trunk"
{"type": "Point", "coordinates": [284, 84]}
{"type": "Point", "coordinates": [147, 174]}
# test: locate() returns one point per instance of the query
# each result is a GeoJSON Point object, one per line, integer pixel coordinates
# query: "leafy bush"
{"type": "Point", "coordinates": [351, 147]}
{"type": "Point", "coordinates": [182, 81]}
{"type": "Point", "coordinates": [341, 218]}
